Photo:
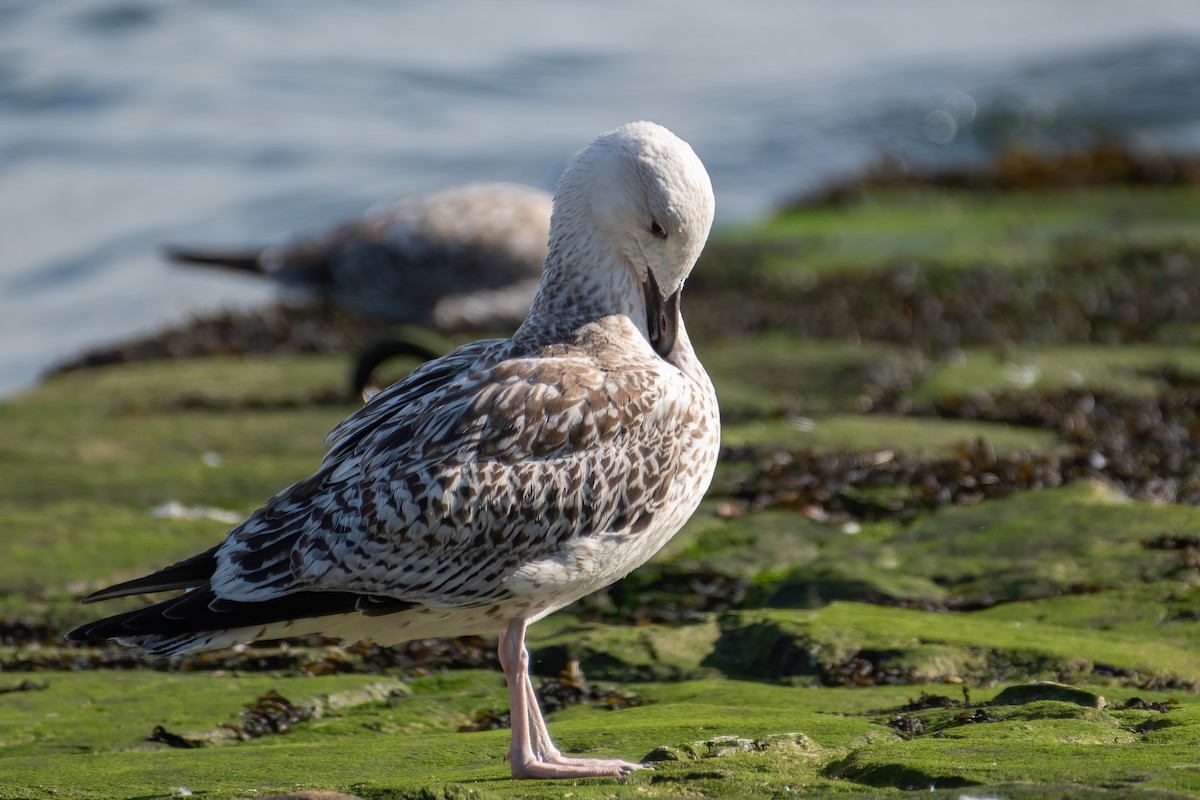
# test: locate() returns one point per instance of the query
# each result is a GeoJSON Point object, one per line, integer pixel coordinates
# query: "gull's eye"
{"type": "Point", "coordinates": [657, 229]}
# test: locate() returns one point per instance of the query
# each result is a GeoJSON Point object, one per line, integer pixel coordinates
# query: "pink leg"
{"type": "Point", "coordinates": [532, 754]}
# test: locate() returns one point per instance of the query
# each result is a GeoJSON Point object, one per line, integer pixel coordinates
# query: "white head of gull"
{"type": "Point", "coordinates": [500, 482]}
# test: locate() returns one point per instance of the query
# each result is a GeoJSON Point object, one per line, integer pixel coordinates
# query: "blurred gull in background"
{"type": "Point", "coordinates": [463, 258]}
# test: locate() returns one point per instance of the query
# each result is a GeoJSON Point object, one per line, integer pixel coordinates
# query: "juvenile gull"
{"type": "Point", "coordinates": [466, 257]}
{"type": "Point", "coordinates": [503, 480]}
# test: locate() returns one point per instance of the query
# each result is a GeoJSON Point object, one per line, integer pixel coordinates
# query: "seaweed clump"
{"type": "Point", "coordinates": [1105, 163]}
{"type": "Point", "coordinates": [1146, 446]}
{"type": "Point", "coordinates": [846, 485]}
{"type": "Point", "coordinates": [268, 714]}
{"type": "Point", "coordinates": [1149, 446]}
{"type": "Point", "coordinates": [308, 656]}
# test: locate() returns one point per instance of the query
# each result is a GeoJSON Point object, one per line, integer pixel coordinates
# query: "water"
{"type": "Point", "coordinates": [128, 123]}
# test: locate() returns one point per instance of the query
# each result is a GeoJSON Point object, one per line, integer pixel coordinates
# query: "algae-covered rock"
{"type": "Point", "coordinates": [614, 652]}
{"type": "Point", "coordinates": [721, 746]}
{"type": "Point", "coordinates": [1048, 690]}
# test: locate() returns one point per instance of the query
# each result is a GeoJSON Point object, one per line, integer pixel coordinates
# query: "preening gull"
{"type": "Point", "coordinates": [504, 480]}
{"type": "Point", "coordinates": [466, 257]}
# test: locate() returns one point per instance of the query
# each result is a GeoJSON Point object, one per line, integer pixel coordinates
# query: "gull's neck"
{"type": "Point", "coordinates": [584, 280]}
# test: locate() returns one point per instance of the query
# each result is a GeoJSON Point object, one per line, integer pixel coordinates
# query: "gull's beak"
{"type": "Point", "coordinates": [662, 316]}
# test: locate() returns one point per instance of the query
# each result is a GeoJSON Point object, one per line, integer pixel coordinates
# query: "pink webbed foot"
{"type": "Point", "coordinates": [564, 767]}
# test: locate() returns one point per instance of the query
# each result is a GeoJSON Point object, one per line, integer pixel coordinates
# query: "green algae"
{"type": "Point", "coordinates": [922, 437]}
{"type": "Point", "coordinates": [1013, 230]}
{"type": "Point", "coordinates": [906, 645]}
{"type": "Point", "coordinates": [344, 753]}
{"type": "Point", "coordinates": [1039, 544]}
{"type": "Point", "coordinates": [1079, 538]}
{"type": "Point", "coordinates": [1065, 751]}
{"type": "Point", "coordinates": [1128, 369]}
{"type": "Point", "coordinates": [650, 653]}
{"type": "Point", "coordinates": [104, 711]}
{"type": "Point", "coordinates": [771, 373]}
{"type": "Point", "coordinates": [714, 738]}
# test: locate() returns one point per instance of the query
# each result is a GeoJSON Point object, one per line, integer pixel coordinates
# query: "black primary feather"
{"type": "Point", "coordinates": [186, 574]}
{"type": "Point", "coordinates": [201, 611]}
